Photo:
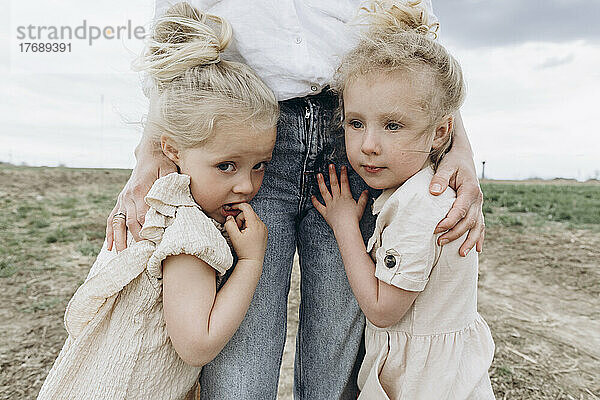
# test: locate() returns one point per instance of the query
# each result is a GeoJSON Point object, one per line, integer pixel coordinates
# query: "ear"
{"type": "Point", "coordinates": [168, 148]}
{"type": "Point", "coordinates": [443, 129]}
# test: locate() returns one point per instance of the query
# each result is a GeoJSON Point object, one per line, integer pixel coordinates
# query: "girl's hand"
{"type": "Point", "coordinates": [250, 238]}
{"type": "Point", "coordinates": [340, 209]}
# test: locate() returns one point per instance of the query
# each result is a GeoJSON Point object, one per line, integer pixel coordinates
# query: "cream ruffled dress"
{"type": "Point", "coordinates": [118, 347]}
{"type": "Point", "coordinates": [442, 348]}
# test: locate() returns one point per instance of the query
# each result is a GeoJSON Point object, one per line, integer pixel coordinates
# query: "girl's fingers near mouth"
{"type": "Point", "coordinates": [240, 220]}
{"type": "Point", "coordinates": [246, 213]}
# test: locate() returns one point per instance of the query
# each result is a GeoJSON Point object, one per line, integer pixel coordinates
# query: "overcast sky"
{"type": "Point", "coordinates": [531, 68]}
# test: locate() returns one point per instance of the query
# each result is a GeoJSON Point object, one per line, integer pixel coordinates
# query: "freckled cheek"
{"type": "Point", "coordinates": [408, 163]}
{"type": "Point", "coordinates": [405, 158]}
{"type": "Point", "coordinates": [353, 152]}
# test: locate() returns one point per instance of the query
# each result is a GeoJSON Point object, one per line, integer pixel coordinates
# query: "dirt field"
{"type": "Point", "coordinates": [539, 278]}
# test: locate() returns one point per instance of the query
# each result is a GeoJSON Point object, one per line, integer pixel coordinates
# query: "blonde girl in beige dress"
{"type": "Point", "coordinates": [424, 337]}
{"type": "Point", "coordinates": [146, 319]}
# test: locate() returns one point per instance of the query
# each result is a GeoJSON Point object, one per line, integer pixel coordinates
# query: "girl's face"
{"type": "Point", "coordinates": [385, 121]}
{"type": "Point", "coordinates": [226, 170]}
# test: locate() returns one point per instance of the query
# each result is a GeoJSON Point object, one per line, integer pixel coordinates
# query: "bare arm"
{"type": "Point", "coordinates": [458, 170]}
{"type": "Point", "coordinates": [200, 320]}
{"type": "Point", "coordinates": [151, 164]}
{"type": "Point", "coordinates": [384, 305]}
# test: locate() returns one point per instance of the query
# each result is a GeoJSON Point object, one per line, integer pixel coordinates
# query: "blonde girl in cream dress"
{"type": "Point", "coordinates": [424, 337]}
{"type": "Point", "coordinates": [146, 319]}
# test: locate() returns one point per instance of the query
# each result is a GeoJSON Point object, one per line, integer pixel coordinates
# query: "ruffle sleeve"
{"type": "Point", "coordinates": [177, 225]}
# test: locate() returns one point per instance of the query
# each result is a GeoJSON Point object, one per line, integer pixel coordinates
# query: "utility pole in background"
{"type": "Point", "coordinates": [483, 170]}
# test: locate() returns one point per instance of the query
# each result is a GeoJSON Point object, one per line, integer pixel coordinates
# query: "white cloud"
{"type": "Point", "coordinates": [516, 111]}
{"type": "Point", "coordinates": [552, 62]}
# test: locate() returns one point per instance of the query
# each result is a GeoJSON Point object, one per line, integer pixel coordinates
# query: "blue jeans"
{"type": "Point", "coordinates": [330, 334]}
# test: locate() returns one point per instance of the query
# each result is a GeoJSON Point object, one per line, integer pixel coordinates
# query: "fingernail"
{"type": "Point", "coordinates": [443, 242]}
{"type": "Point", "coordinates": [466, 252]}
{"type": "Point", "coordinates": [436, 187]}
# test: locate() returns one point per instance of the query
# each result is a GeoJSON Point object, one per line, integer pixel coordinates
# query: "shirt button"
{"type": "Point", "coordinates": [389, 261]}
{"type": "Point", "coordinates": [298, 40]}
{"type": "Point", "coordinates": [314, 88]}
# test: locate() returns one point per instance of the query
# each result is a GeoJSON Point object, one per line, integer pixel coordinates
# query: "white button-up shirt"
{"type": "Point", "coordinates": [295, 46]}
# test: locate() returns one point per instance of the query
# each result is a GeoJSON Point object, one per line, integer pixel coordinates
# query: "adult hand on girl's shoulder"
{"type": "Point", "coordinates": [249, 239]}
{"type": "Point", "coordinates": [149, 167]}
{"type": "Point", "coordinates": [458, 171]}
{"type": "Point", "coordinates": [340, 208]}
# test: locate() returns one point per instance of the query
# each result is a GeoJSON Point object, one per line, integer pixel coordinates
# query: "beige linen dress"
{"type": "Point", "coordinates": [442, 348]}
{"type": "Point", "coordinates": [118, 346]}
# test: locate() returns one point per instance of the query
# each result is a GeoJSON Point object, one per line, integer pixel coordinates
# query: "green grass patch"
{"type": "Point", "coordinates": [88, 248]}
{"type": "Point", "coordinates": [39, 223]}
{"type": "Point", "coordinates": [58, 235]}
{"type": "Point", "coordinates": [43, 305]}
{"type": "Point", "coordinates": [509, 220]}
{"type": "Point", "coordinates": [503, 370]}
{"type": "Point", "coordinates": [520, 204]}
{"type": "Point", "coordinates": [101, 199]}
{"type": "Point", "coordinates": [26, 210]}
{"type": "Point", "coordinates": [67, 203]}
{"type": "Point", "coordinates": [7, 269]}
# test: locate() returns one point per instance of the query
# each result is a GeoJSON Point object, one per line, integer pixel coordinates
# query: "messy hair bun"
{"type": "Point", "coordinates": [194, 90]}
{"type": "Point", "coordinates": [392, 17]}
{"type": "Point", "coordinates": [182, 39]}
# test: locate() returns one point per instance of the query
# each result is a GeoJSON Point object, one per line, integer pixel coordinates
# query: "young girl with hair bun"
{"type": "Point", "coordinates": [424, 338]}
{"type": "Point", "coordinates": [146, 319]}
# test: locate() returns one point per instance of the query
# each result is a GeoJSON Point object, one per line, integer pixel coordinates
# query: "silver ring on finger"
{"type": "Point", "coordinates": [118, 216]}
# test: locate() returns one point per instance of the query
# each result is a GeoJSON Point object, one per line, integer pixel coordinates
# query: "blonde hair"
{"type": "Point", "coordinates": [194, 91]}
{"type": "Point", "coordinates": [401, 38]}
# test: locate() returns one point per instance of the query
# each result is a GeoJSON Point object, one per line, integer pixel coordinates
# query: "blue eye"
{"type": "Point", "coordinates": [355, 124]}
{"type": "Point", "coordinates": [226, 167]}
{"type": "Point", "coordinates": [260, 166]}
{"type": "Point", "coordinates": [393, 126]}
